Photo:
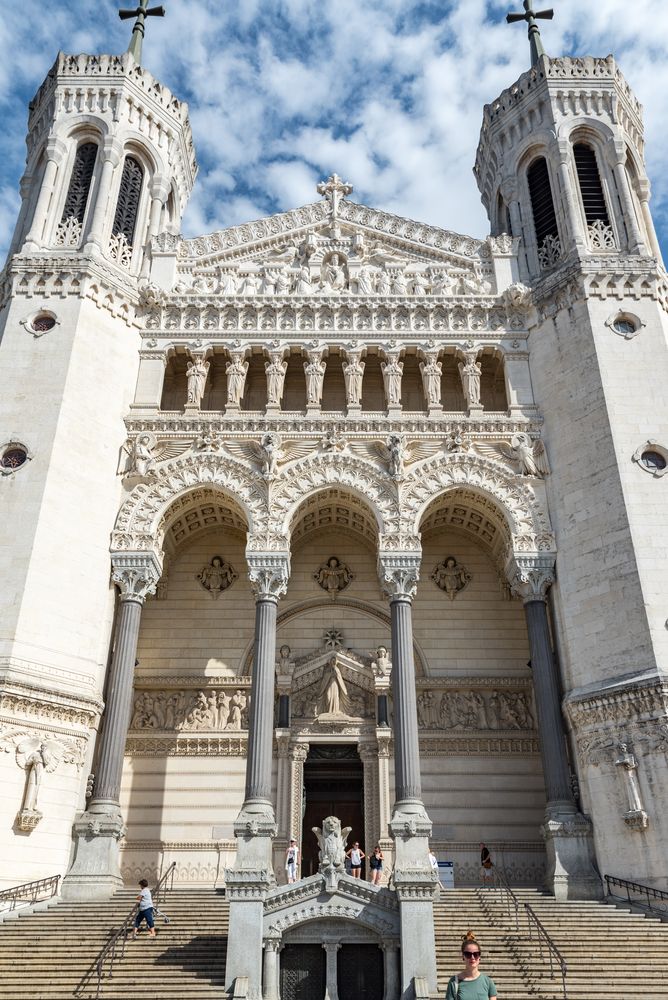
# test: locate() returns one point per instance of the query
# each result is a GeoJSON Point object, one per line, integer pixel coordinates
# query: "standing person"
{"type": "Point", "coordinates": [357, 856]}
{"type": "Point", "coordinates": [486, 865]}
{"type": "Point", "coordinates": [145, 911]}
{"type": "Point", "coordinates": [376, 865]}
{"type": "Point", "coordinates": [471, 983]}
{"type": "Point", "coordinates": [292, 860]}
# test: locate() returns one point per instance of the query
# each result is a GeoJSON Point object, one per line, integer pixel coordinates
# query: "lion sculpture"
{"type": "Point", "coordinates": [332, 843]}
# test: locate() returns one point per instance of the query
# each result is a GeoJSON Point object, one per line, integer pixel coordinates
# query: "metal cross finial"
{"type": "Point", "coordinates": [141, 12]}
{"type": "Point", "coordinates": [334, 189]}
{"type": "Point", "coordinates": [531, 16]}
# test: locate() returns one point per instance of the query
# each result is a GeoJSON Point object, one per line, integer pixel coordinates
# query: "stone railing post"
{"type": "Point", "coordinates": [95, 868]}
{"type": "Point", "coordinates": [567, 833]}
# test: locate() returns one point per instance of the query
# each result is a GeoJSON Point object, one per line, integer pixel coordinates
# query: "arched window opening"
{"type": "Point", "coordinates": [493, 394]}
{"type": "Point", "coordinates": [544, 216]}
{"type": "Point", "coordinates": [593, 199]}
{"type": "Point", "coordinates": [127, 206]}
{"type": "Point", "coordinates": [70, 227]}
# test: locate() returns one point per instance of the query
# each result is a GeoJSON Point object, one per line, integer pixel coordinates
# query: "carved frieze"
{"type": "Point", "coordinates": [478, 709]}
{"type": "Point", "coordinates": [184, 710]}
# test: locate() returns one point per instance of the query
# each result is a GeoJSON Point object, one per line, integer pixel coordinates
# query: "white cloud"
{"type": "Point", "coordinates": [389, 93]}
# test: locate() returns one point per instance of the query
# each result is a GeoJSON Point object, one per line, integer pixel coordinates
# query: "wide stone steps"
{"type": "Point", "coordinates": [608, 951]}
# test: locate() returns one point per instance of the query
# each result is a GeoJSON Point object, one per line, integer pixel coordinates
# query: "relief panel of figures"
{"type": "Point", "coordinates": [213, 710]}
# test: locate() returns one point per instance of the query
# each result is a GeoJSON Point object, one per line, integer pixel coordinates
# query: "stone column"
{"type": "Point", "coordinates": [270, 986]}
{"type": "Point", "coordinates": [564, 152]}
{"type": "Point", "coordinates": [159, 196]}
{"type": "Point", "coordinates": [410, 827]}
{"type": "Point", "coordinates": [298, 755]}
{"type": "Point", "coordinates": [95, 871]}
{"type": "Point", "coordinates": [283, 828]}
{"type": "Point", "coordinates": [55, 156]}
{"type": "Point", "coordinates": [110, 158]}
{"type": "Point", "coordinates": [253, 875]}
{"type": "Point", "coordinates": [391, 963]}
{"type": "Point", "coordinates": [644, 194]}
{"type": "Point", "coordinates": [568, 834]}
{"type": "Point", "coordinates": [332, 988]}
{"type": "Point", "coordinates": [617, 152]}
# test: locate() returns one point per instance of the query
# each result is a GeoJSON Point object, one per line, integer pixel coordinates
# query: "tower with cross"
{"type": "Point", "coordinates": [531, 16]}
{"type": "Point", "coordinates": [140, 14]}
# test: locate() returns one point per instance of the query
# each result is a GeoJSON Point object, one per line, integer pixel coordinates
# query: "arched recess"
{"type": "Point", "coordinates": [148, 513]}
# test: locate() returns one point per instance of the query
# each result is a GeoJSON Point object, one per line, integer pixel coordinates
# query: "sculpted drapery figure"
{"type": "Point", "coordinates": [399, 284]}
{"type": "Point", "coordinates": [143, 457]}
{"type": "Point", "coordinates": [431, 370]}
{"type": "Point", "coordinates": [353, 373]}
{"type": "Point", "coordinates": [236, 371]}
{"type": "Point", "coordinates": [365, 281]}
{"type": "Point", "coordinates": [451, 576]}
{"type": "Point", "coordinates": [384, 286]}
{"type": "Point", "coordinates": [314, 369]}
{"type": "Point", "coordinates": [304, 285]}
{"type": "Point", "coordinates": [228, 283]}
{"type": "Point", "coordinates": [392, 371]}
{"type": "Point", "coordinates": [217, 576]}
{"type": "Point", "coordinates": [333, 693]}
{"type": "Point", "coordinates": [196, 373]}
{"type": "Point", "coordinates": [470, 374]}
{"type": "Point", "coordinates": [333, 576]}
{"type": "Point", "coordinates": [333, 276]}
{"type": "Point", "coordinates": [283, 282]}
{"type": "Point", "coordinates": [275, 371]}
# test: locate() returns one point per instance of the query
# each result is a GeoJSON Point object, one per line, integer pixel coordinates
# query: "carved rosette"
{"type": "Point", "coordinates": [530, 576]}
{"type": "Point", "coordinates": [269, 573]}
{"type": "Point", "coordinates": [399, 573]}
{"type": "Point", "coordinates": [136, 574]}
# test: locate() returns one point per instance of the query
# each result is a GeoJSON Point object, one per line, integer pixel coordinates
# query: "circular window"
{"type": "Point", "coordinates": [40, 322]}
{"type": "Point", "coordinates": [624, 327]}
{"type": "Point", "coordinates": [653, 461]}
{"type": "Point", "coordinates": [652, 457]}
{"type": "Point", "coordinates": [43, 323]}
{"type": "Point", "coordinates": [13, 457]}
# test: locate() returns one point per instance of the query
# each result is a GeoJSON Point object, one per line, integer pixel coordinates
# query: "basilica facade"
{"type": "Point", "coordinates": [333, 514]}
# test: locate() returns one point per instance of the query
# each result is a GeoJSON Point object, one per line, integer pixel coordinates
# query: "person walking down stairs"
{"type": "Point", "coordinates": [145, 911]}
{"type": "Point", "coordinates": [471, 983]}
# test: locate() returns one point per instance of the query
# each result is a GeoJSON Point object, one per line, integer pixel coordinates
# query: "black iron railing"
{"type": "Point", "coordinates": [29, 892]}
{"type": "Point", "coordinates": [646, 896]}
{"type": "Point", "coordinates": [114, 949]}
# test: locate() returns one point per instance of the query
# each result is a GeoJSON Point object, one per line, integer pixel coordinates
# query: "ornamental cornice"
{"type": "Point", "coordinates": [44, 709]}
{"type": "Point", "coordinates": [620, 277]}
{"type": "Point", "coordinates": [164, 682]}
{"type": "Point", "coordinates": [410, 317]}
{"type": "Point", "coordinates": [187, 746]}
{"type": "Point", "coordinates": [531, 575]}
{"type": "Point", "coordinates": [178, 845]}
{"type": "Point", "coordinates": [643, 737]}
{"type": "Point", "coordinates": [620, 707]}
{"type": "Point", "coordinates": [477, 746]}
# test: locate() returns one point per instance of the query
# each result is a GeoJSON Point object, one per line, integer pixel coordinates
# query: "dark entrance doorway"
{"type": "Point", "coordinates": [303, 972]}
{"type": "Point", "coordinates": [360, 972]}
{"type": "Point", "coordinates": [333, 786]}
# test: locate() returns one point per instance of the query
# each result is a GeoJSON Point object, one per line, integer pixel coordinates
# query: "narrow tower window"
{"type": "Point", "coordinates": [127, 206]}
{"type": "Point", "coordinates": [542, 205]}
{"type": "Point", "coordinates": [591, 188]}
{"type": "Point", "coordinates": [71, 223]}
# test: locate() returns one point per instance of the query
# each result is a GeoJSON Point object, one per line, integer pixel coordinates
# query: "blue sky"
{"type": "Point", "coordinates": [388, 93]}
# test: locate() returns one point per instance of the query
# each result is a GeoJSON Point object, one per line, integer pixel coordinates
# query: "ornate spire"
{"type": "Point", "coordinates": [334, 189]}
{"type": "Point", "coordinates": [531, 16]}
{"type": "Point", "coordinates": [141, 12]}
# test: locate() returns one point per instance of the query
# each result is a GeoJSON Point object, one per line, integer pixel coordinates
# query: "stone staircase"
{"type": "Point", "coordinates": [45, 955]}
{"type": "Point", "coordinates": [610, 951]}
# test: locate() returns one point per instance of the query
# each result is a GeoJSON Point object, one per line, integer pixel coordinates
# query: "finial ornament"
{"type": "Point", "coordinates": [141, 12]}
{"type": "Point", "coordinates": [531, 16]}
{"type": "Point", "coordinates": [334, 189]}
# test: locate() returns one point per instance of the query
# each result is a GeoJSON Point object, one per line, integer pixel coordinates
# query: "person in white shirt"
{"type": "Point", "coordinates": [145, 910]}
{"type": "Point", "coordinates": [356, 856]}
{"type": "Point", "coordinates": [292, 860]}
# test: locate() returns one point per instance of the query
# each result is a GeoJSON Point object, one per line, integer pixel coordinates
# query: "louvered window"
{"type": "Point", "coordinates": [127, 206]}
{"type": "Point", "coordinates": [80, 181]}
{"type": "Point", "coordinates": [542, 205]}
{"type": "Point", "coordinates": [590, 184]}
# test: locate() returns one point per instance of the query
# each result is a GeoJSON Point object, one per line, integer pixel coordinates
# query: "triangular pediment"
{"type": "Point", "coordinates": [333, 684]}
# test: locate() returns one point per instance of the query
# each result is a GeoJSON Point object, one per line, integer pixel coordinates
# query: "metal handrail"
{"type": "Point", "coordinates": [30, 892]}
{"type": "Point", "coordinates": [509, 896]}
{"type": "Point", "coordinates": [647, 890]}
{"type": "Point", "coordinates": [545, 939]}
{"type": "Point", "coordinates": [114, 949]}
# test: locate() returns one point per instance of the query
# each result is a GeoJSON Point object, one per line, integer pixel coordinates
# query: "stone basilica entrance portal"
{"type": "Point", "coordinates": [333, 786]}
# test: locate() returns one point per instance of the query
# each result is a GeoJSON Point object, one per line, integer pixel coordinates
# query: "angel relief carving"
{"type": "Point", "coordinates": [139, 457]}
{"type": "Point", "coordinates": [333, 576]}
{"type": "Point", "coordinates": [37, 755]}
{"type": "Point", "coordinates": [395, 453]}
{"type": "Point", "coordinates": [270, 452]}
{"type": "Point", "coordinates": [217, 576]}
{"type": "Point", "coordinates": [529, 457]}
{"type": "Point", "coordinates": [451, 576]}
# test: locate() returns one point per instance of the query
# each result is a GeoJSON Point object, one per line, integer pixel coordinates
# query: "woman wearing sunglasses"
{"type": "Point", "coordinates": [471, 983]}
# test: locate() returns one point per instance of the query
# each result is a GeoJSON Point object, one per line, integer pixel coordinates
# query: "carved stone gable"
{"type": "Point", "coordinates": [333, 686]}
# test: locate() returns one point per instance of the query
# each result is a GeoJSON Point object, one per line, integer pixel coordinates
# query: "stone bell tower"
{"type": "Point", "coordinates": [560, 165]}
{"type": "Point", "coordinates": [110, 165]}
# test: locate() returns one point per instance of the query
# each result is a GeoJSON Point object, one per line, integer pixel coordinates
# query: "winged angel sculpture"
{"type": "Point", "coordinates": [332, 843]}
{"type": "Point", "coordinates": [395, 453]}
{"type": "Point", "coordinates": [529, 457]}
{"type": "Point", "coordinates": [139, 457]}
{"type": "Point", "coordinates": [35, 756]}
{"type": "Point", "coordinates": [270, 452]}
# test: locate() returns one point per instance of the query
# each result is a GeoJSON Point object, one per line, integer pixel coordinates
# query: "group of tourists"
{"type": "Point", "coordinates": [354, 858]}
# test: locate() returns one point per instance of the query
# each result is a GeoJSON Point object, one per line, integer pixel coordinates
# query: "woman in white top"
{"type": "Point", "coordinates": [145, 910]}
{"type": "Point", "coordinates": [356, 856]}
{"type": "Point", "coordinates": [292, 860]}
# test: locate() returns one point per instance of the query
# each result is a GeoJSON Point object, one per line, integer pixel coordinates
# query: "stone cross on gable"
{"type": "Point", "coordinates": [531, 16]}
{"type": "Point", "coordinates": [334, 189]}
{"type": "Point", "coordinates": [141, 12]}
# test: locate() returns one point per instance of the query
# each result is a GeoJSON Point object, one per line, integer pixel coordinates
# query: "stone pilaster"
{"type": "Point", "coordinates": [270, 987]}
{"type": "Point", "coordinates": [410, 827]}
{"type": "Point", "coordinates": [331, 989]}
{"type": "Point", "coordinates": [95, 871]}
{"type": "Point", "coordinates": [255, 827]}
{"type": "Point", "coordinates": [568, 834]}
{"type": "Point", "coordinates": [391, 963]}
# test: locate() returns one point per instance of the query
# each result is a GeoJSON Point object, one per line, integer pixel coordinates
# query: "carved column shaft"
{"type": "Point", "coordinates": [406, 745]}
{"type": "Point", "coordinates": [548, 704]}
{"type": "Point", "coordinates": [635, 239]}
{"type": "Point", "coordinates": [261, 723]}
{"type": "Point", "coordinates": [331, 990]}
{"type": "Point", "coordinates": [270, 986]}
{"type": "Point", "coordinates": [110, 160]}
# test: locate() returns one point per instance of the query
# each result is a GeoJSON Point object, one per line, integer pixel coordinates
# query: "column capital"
{"type": "Point", "coordinates": [399, 573]}
{"type": "Point", "coordinates": [530, 576]}
{"type": "Point", "coordinates": [269, 573]}
{"type": "Point", "coordinates": [136, 574]}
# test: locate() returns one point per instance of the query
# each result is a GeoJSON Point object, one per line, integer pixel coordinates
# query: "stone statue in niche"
{"type": "Point", "coordinates": [333, 692]}
{"type": "Point", "coordinates": [635, 817]}
{"type": "Point", "coordinates": [353, 373]}
{"type": "Point", "coordinates": [431, 371]}
{"type": "Point", "coordinates": [333, 276]}
{"type": "Point", "coordinates": [275, 370]}
{"type": "Point", "coordinates": [228, 283]}
{"type": "Point", "coordinates": [236, 371]}
{"type": "Point", "coordinates": [196, 373]}
{"type": "Point", "coordinates": [470, 373]}
{"type": "Point", "coordinates": [381, 666]}
{"type": "Point", "coordinates": [451, 576]}
{"type": "Point", "coordinates": [392, 371]}
{"type": "Point", "coordinates": [333, 576]}
{"type": "Point", "coordinates": [217, 576]}
{"type": "Point", "coordinates": [314, 369]}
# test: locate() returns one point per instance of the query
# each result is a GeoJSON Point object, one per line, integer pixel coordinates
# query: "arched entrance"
{"type": "Point", "coordinates": [333, 786]}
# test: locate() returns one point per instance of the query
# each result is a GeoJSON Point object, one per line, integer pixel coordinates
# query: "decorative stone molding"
{"type": "Point", "coordinates": [186, 746]}
{"type": "Point", "coordinates": [474, 746]}
{"type": "Point", "coordinates": [531, 576]}
{"type": "Point", "coordinates": [136, 574]}
{"type": "Point", "coordinates": [399, 573]}
{"type": "Point", "coordinates": [269, 573]}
